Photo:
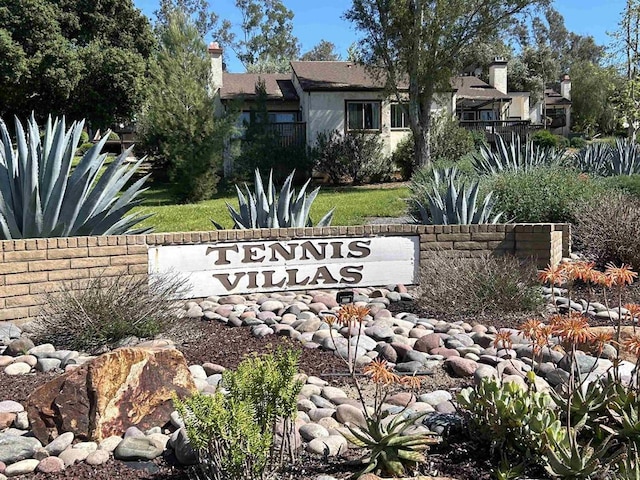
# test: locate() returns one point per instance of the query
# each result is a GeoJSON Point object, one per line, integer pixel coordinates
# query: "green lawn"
{"type": "Point", "coordinates": [352, 205]}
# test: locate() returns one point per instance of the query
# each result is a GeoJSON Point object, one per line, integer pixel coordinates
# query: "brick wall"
{"type": "Point", "coordinates": [30, 268]}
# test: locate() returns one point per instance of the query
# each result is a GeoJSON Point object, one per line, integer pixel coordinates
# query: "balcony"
{"type": "Point", "coordinates": [502, 128]}
{"type": "Point", "coordinates": [291, 134]}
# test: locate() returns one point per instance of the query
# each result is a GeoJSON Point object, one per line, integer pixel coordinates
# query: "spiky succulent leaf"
{"type": "Point", "coordinates": [41, 197]}
{"type": "Point", "coordinates": [514, 155]}
{"type": "Point", "coordinates": [266, 208]}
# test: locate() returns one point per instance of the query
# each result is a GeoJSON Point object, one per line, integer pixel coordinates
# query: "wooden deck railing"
{"type": "Point", "coordinates": [290, 133]}
{"type": "Point", "coordinates": [503, 128]}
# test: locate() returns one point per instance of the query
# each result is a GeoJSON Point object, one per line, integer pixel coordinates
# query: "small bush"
{"type": "Point", "coordinates": [607, 228]}
{"type": "Point", "coordinates": [354, 157]}
{"type": "Point", "coordinates": [544, 138]}
{"type": "Point", "coordinates": [106, 310]}
{"type": "Point", "coordinates": [84, 148]}
{"type": "Point", "coordinates": [629, 184]}
{"type": "Point", "coordinates": [234, 434]}
{"type": "Point", "coordinates": [114, 137]}
{"type": "Point", "coordinates": [449, 143]}
{"type": "Point", "coordinates": [542, 194]}
{"type": "Point", "coordinates": [578, 142]}
{"type": "Point", "coordinates": [486, 284]}
{"type": "Point", "coordinates": [84, 137]}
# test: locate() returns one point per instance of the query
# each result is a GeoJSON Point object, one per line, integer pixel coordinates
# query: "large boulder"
{"type": "Point", "coordinates": [104, 397]}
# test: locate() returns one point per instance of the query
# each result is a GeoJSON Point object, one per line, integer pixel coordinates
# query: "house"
{"type": "Point", "coordinates": [556, 109]}
{"type": "Point", "coordinates": [320, 97]}
{"type": "Point", "coordinates": [323, 96]}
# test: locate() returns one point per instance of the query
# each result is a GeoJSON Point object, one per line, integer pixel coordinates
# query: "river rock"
{"type": "Point", "coordinates": [23, 467]}
{"type": "Point", "coordinates": [138, 448]}
{"type": "Point", "coordinates": [14, 448]}
{"type": "Point", "coordinates": [50, 465]}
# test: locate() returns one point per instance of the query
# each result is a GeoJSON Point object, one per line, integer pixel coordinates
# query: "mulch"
{"type": "Point", "coordinates": [203, 341]}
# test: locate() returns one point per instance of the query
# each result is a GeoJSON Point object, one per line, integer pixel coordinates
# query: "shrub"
{"type": "Point", "coordinates": [629, 184]}
{"type": "Point", "coordinates": [449, 143]}
{"type": "Point", "coordinates": [353, 157]}
{"type": "Point", "coordinates": [40, 196]}
{"type": "Point", "coordinates": [544, 138]}
{"type": "Point", "coordinates": [84, 137]}
{"type": "Point", "coordinates": [114, 137]}
{"type": "Point", "coordinates": [607, 228]}
{"type": "Point", "coordinates": [578, 142]}
{"type": "Point", "coordinates": [477, 285]}
{"type": "Point", "coordinates": [105, 310]}
{"type": "Point", "coordinates": [234, 434]}
{"type": "Point", "coordinates": [84, 148]}
{"type": "Point", "coordinates": [542, 194]}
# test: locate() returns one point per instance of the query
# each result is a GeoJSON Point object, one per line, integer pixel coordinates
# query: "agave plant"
{"type": "Point", "coordinates": [514, 156]}
{"type": "Point", "coordinates": [457, 205]}
{"type": "Point", "coordinates": [40, 195]}
{"type": "Point", "coordinates": [602, 159]}
{"type": "Point", "coordinates": [594, 158]}
{"type": "Point", "coordinates": [264, 208]}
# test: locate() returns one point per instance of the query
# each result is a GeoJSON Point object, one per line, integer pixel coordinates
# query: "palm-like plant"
{"type": "Point", "coordinates": [265, 208]}
{"type": "Point", "coordinates": [515, 155]}
{"type": "Point", "coordinates": [40, 195]}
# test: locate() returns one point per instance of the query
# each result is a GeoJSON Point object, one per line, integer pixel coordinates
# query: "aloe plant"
{"type": "Point", "coordinates": [594, 158]}
{"type": "Point", "coordinates": [458, 204]}
{"type": "Point", "coordinates": [515, 155]}
{"type": "Point", "coordinates": [264, 208]}
{"type": "Point", "coordinates": [40, 195]}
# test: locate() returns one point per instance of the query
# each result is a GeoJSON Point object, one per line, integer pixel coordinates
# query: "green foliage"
{"type": "Point", "coordinates": [509, 416]}
{"type": "Point", "coordinates": [578, 142]}
{"type": "Point", "coordinates": [223, 430]}
{"type": "Point", "coordinates": [268, 209]}
{"type": "Point", "coordinates": [545, 139]}
{"type": "Point", "coordinates": [179, 128]}
{"type": "Point", "coordinates": [515, 155]}
{"type": "Point", "coordinates": [629, 184]}
{"type": "Point", "coordinates": [487, 284]}
{"type": "Point", "coordinates": [324, 51]}
{"type": "Point", "coordinates": [263, 148]}
{"type": "Point", "coordinates": [89, 316]}
{"type": "Point", "coordinates": [40, 196]}
{"type": "Point", "coordinates": [448, 140]}
{"type": "Point", "coordinates": [84, 148]}
{"type": "Point", "coordinates": [542, 194]}
{"type": "Point", "coordinates": [234, 433]}
{"type": "Point", "coordinates": [567, 458]}
{"type": "Point", "coordinates": [265, 37]}
{"type": "Point", "coordinates": [82, 59]}
{"type": "Point", "coordinates": [607, 227]}
{"type": "Point", "coordinates": [84, 137]}
{"type": "Point", "coordinates": [113, 137]}
{"type": "Point", "coordinates": [355, 157]}
{"type": "Point", "coordinates": [392, 450]}
{"type": "Point", "coordinates": [447, 201]}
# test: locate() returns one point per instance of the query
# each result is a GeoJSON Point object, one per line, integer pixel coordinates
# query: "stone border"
{"type": "Point", "coordinates": [30, 268]}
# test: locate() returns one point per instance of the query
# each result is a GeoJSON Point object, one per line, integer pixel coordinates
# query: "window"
{"type": "Point", "coordinates": [363, 116]}
{"type": "Point", "coordinates": [283, 117]}
{"type": "Point", "coordinates": [399, 118]}
{"type": "Point", "coordinates": [468, 116]}
{"type": "Point", "coordinates": [488, 115]}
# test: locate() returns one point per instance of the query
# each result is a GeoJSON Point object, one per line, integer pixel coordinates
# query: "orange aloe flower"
{"type": "Point", "coordinates": [619, 276]}
{"type": "Point", "coordinates": [600, 339]}
{"type": "Point", "coordinates": [572, 328]}
{"type": "Point", "coordinates": [634, 310]}
{"type": "Point", "coordinates": [411, 381]}
{"type": "Point", "coordinates": [530, 328]}
{"type": "Point", "coordinates": [350, 314]}
{"type": "Point", "coordinates": [632, 345]}
{"type": "Point", "coordinates": [381, 373]}
{"type": "Point", "coordinates": [503, 339]}
{"type": "Point", "coordinates": [554, 275]}
{"type": "Point", "coordinates": [599, 278]}
{"type": "Point", "coordinates": [583, 270]}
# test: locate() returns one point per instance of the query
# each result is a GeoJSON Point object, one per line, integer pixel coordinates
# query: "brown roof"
{"type": "Point", "coordinates": [279, 86]}
{"type": "Point", "coordinates": [334, 76]}
{"type": "Point", "coordinates": [473, 88]}
{"type": "Point", "coordinates": [551, 97]}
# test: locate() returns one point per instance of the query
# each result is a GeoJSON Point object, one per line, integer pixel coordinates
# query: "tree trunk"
{"type": "Point", "coordinates": [421, 129]}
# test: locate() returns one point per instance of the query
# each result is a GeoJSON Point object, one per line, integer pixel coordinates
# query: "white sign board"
{"type": "Point", "coordinates": [298, 264]}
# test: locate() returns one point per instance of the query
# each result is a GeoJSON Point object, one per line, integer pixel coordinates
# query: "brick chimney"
{"type": "Point", "coordinates": [215, 52]}
{"type": "Point", "coordinates": [565, 86]}
{"type": "Point", "coordinates": [498, 74]}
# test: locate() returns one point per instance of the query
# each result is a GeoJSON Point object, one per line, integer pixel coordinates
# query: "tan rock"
{"type": "Point", "coordinates": [104, 397]}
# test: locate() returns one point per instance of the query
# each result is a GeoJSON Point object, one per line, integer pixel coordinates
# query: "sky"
{"type": "Point", "coordinates": [322, 19]}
